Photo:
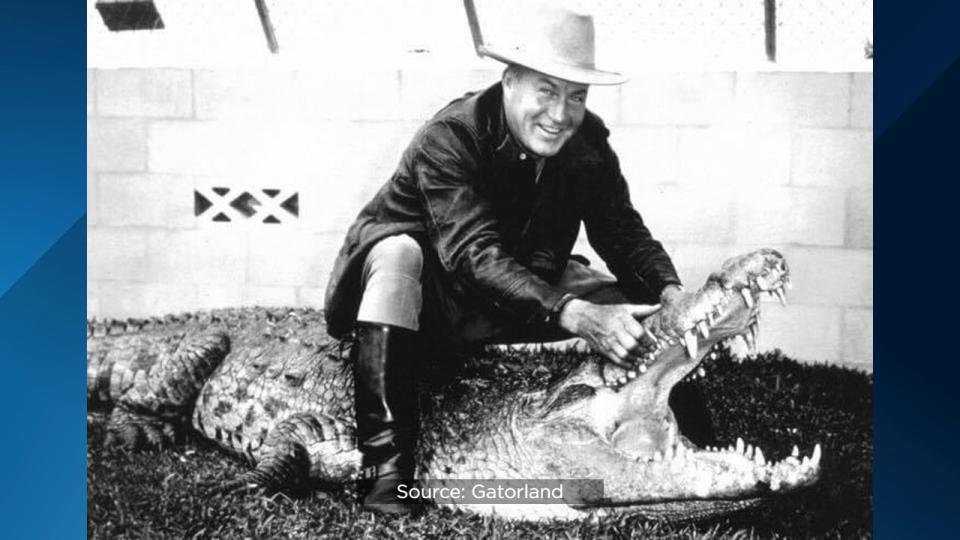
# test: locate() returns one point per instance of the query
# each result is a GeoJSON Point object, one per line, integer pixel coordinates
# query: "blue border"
{"type": "Point", "coordinates": [43, 269]}
{"type": "Point", "coordinates": [916, 145]}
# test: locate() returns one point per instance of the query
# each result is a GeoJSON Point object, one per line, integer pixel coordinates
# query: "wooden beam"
{"type": "Point", "coordinates": [268, 30]}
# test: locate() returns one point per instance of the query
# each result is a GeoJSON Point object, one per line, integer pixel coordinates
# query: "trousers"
{"type": "Point", "coordinates": [393, 294]}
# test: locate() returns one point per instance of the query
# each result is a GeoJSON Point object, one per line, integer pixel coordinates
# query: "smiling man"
{"type": "Point", "coordinates": [469, 242]}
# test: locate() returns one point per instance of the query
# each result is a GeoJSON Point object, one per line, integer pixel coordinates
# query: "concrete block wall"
{"type": "Point", "coordinates": [718, 163]}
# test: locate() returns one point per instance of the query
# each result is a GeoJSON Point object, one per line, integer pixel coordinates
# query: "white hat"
{"type": "Point", "coordinates": [557, 42]}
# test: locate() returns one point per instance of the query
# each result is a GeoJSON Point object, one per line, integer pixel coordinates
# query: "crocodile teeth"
{"type": "Point", "coordinates": [752, 336]}
{"type": "Point", "coordinates": [701, 372]}
{"type": "Point", "coordinates": [795, 452]}
{"type": "Point", "coordinates": [751, 341]}
{"type": "Point", "coordinates": [747, 296]}
{"type": "Point", "coordinates": [815, 459]}
{"type": "Point", "coordinates": [631, 374]}
{"type": "Point", "coordinates": [642, 368]}
{"type": "Point", "coordinates": [703, 329]}
{"type": "Point", "coordinates": [758, 458]}
{"type": "Point", "coordinates": [749, 453]}
{"type": "Point", "coordinates": [690, 341]}
{"type": "Point", "coordinates": [780, 296]}
{"type": "Point", "coordinates": [740, 445]}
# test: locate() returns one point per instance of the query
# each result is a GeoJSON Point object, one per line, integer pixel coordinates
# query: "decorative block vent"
{"type": "Point", "coordinates": [130, 15]}
{"type": "Point", "coordinates": [227, 205]}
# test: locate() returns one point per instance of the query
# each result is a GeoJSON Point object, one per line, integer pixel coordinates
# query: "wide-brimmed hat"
{"type": "Point", "coordinates": [557, 42]}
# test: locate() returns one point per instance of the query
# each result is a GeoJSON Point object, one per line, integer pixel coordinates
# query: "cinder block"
{"type": "Point", "coordinates": [116, 254]}
{"type": "Point", "coordinates": [125, 299]}
{"type": "Point", "coordinates": [269, 296]}
{"type": "Point", "coordinates": [747, 156]}
{"type": "Point", "coordinates": [696, 261]}
{"type": "Point", "coordinates": [788, 215]}
{"type": "Point", "coordinates": [332, 203]}
{"type": "Point", "coordinates": [647, 155]}
{"type": "Point", "coordinates": [425, 91]}
{"type": "Point", "coordinates": [832, 277]}
{"type": "Point", "coordinates": [361, 151]}
{"type": "Point", "coordinates": [677, 98]}
{"type": "Point", "coordinates": [145, 92]}
{"type": "Point", "coordinates": [91, 92]}
{"type": "Point", "coordinates": [358, 95]}
{"type": "Point", "coordinates": [247, 93]}
{"type": "Point", "coordinates": [604, 101]}
{"type": "Point", "coordinates": [341, 186]}
{"type": "Point", "coordinates": [685, 214]}
{"type": "Point", "coordinates": [116, 144]}
{"type": "Point", "coordinates": [146, 199]}
{"type": "Point", "coordinates": [830, 157]}
{"type": "Point", "coordinates": [218, 296]}
{"type": "Point", "coordinates": [805, 333]}
{"type": "Point", "coordinates": [311, 297]}
{"type": "Point", "coordinates": [861, 111]}
{"type": "Point", "coordinates": [860, 217]}
{"type": "Point", "coordinates": [803, 99]}
{"type": "Point", "coordinates": [858, 338]}
{"type": "Point", "coordinates": [291, 258]}
{"type": "Point", "coordinates": [208, 256]}
{"type": "Point", "coordinates": [93, 299]}
{"type": "Point", "coordinates": [92, 198]}
{"type": "Point", "coordinates": [236, 147]}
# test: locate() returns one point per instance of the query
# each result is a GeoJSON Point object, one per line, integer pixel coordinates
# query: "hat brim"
{"type": "Point", "coordinates": [554, 68]}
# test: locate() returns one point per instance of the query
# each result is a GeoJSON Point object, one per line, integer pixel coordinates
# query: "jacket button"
{"type": "Point", "coordinates": [523, 156]}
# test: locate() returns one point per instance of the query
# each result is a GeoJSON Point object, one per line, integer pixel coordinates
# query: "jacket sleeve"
{"type": "Point", "coordinates": [617, 232]}
{"type": "Point", "coordinates": [461, 224]}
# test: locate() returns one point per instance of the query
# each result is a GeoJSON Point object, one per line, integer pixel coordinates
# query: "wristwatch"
{"type": "Point", "coordinates": [554, 316]}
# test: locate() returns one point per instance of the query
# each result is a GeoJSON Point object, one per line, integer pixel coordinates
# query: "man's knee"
{"type": "Point", "coordinates": [398, 254]}
{"type": "Point", "coordinates": [392, 293]}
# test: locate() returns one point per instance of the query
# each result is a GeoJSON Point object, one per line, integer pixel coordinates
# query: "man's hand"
{"type": "Point", "coordinates": [611, 330]}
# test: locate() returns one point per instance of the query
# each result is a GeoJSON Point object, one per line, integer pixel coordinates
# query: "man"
{"type": "Point", "coordinates": [470, 241]}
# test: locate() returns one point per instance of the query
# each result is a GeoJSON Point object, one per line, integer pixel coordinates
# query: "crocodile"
{"type": "Point", "coordinates": [269, 386]}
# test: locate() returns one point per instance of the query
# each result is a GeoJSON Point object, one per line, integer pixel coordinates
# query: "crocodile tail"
{"type": "Point", "coordinates": [153, 371]}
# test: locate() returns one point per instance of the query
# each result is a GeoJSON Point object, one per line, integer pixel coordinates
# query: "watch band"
{"type": "Point", "coordinates": [554, 316]}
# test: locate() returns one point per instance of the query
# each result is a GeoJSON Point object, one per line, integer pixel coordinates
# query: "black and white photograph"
{"type": "Point", "coordinates": [479, 268]}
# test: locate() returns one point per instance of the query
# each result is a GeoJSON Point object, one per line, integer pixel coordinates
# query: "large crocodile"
{"type": "Point", "coordinates": [270, 386]}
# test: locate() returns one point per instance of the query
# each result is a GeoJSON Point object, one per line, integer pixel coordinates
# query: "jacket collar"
{"type": "Point", "coordinates": [505, 146]}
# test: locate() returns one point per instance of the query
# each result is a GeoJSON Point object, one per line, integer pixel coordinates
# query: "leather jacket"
{"type": "Point", "coordinates": [471, 197]}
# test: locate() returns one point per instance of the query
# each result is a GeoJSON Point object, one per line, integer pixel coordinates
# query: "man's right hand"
{"type": "Point", "coordinates": [611, 330]}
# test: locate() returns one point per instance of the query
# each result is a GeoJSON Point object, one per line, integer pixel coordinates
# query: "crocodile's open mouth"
{"type": "Point", "coordinates": [616, 424]}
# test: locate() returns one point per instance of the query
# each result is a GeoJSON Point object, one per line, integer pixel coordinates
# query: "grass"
{"type": "Point", "coordinates": [772, 400]}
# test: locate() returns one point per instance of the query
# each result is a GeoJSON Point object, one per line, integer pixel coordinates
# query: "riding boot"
{"type": "Point", "coordinates": [387, 413]}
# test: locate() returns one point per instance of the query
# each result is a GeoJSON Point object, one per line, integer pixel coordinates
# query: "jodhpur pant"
{"type": "Point", "coordinates": [396, 284]}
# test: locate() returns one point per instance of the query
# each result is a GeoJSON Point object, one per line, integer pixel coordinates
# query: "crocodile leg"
{"type": "Point", "coordinates": [304, 446]}
{"type": "Point", "coordinates": [161, 394]}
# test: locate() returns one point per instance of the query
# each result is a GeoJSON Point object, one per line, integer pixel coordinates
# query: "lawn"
{"type": "Point", "coordinates": [768, 399]}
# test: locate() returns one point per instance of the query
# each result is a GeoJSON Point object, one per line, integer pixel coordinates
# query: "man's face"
{"type": "Point", "coordinates": [543, 112]}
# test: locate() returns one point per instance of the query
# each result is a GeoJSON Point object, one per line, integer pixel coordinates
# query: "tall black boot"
{"type": "Point", "coordinates": [387, 411]}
